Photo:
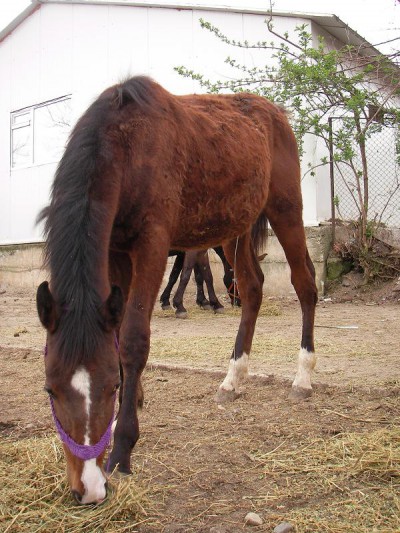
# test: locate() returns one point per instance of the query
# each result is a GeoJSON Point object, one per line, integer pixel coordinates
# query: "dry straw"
{"type": "Point", "coordinates": [34, 495]}
{"type": "Point", "coordinates": [355, 475]}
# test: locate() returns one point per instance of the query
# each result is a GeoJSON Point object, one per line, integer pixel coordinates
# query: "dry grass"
{"type": "Point", "coordinates": [355, 475]}
{"type": "Point", "coordinates": [34, 495]}
{"type": "Point", "coordinates": [268, 308]}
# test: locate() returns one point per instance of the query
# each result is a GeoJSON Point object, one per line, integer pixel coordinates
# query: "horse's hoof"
{"type": "Point", "coordinates": [205, 307]}
{"type": "Point", "coordinates": [181, 314]}
{"type": "Point", "coordinates": [118, 474]}
{"type": "Point", "coordinates": [225, 396]}
{"type": "Point", "coordinates": [166, 307]}
{"type": "Point", "coordinates": [219, 310]}
{"type": "Point", "coordinates": [297, 394]}
{"type": "Point", "coordinates": [116, 470]}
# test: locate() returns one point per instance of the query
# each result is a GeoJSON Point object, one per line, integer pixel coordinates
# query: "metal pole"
{"type": "Point", "coordinates": [331, 173]}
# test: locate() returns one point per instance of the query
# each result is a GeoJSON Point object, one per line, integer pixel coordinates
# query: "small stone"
{"type": "Point", "coordinates": [253, 519]}
{"type": "Point", "coordinates": [284, 527]}
{"type": "Point", "coordinates": [16, 334]}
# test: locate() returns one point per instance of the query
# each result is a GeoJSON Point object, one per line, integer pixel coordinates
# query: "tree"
{"type": "Point", "coordinates": [358, 86]}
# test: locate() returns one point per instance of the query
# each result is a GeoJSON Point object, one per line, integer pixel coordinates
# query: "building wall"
{"type": "Point", "coordinates": [79, 50]}
{"type": "Point", "coordinates": [22, 265]}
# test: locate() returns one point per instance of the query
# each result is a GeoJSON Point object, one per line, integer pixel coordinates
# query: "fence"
{"type": "Point", "coordinates": [384, 180]}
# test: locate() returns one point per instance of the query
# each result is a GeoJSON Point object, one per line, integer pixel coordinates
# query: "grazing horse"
{"type": "Point", "coordinates": [198, 261]}
{"type": "Point", "coordinates": [144, 172]}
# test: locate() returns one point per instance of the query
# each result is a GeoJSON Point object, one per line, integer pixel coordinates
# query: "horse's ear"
{"type": "Point", "coordinates": [113, 309]}
{"type": "Point", "coordinates": [46, 306]}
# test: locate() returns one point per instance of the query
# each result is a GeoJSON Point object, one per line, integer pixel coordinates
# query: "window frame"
{"type": "Point", "coordinates": [31, 124]}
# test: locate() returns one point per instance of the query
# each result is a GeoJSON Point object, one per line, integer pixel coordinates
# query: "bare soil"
{"type": "Point", "coordinates": [206, 466]}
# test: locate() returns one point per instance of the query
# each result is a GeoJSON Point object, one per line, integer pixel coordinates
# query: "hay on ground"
{"type": "Point", "coordinates": [34, 495]}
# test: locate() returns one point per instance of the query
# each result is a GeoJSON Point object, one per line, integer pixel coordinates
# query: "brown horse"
{"type": "Point", "coordinates": [145, 171]}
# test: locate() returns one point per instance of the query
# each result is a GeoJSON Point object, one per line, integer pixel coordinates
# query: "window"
{"type": "Point", "coordinates": [39, 133]}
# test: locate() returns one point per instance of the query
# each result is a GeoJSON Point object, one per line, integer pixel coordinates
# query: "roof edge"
{"type": "Point", "coordinates": [315, 17]}
{"type": "Point", "coordinates": [27, 12]}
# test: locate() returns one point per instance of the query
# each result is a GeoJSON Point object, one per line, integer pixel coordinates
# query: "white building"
{"type": "Point", "coordinates": [57, 56]}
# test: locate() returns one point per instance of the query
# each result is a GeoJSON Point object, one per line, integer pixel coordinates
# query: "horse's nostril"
{"type": "Point", "coordinates": [77, 496]}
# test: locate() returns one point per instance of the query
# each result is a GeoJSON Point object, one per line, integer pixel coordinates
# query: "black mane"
{"type": "Point", "coordinates": [74, 221]}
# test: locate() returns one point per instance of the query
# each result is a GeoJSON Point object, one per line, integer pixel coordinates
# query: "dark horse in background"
{"type": "Point", "coordinates": [145, 172]}
{"type": "Point", "coordinates": [198, 261]}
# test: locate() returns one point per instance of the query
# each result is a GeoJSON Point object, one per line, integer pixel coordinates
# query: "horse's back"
{"type": "Point", "coordinates": [230, 144]}
{"type": "Point", "coordinates": [202, 163]}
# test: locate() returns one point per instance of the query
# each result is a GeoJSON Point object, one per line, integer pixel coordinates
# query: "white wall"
{"type": "Point", "coordinates": [80, 50]}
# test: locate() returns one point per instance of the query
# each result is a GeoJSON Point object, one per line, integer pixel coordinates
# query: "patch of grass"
{"type": "Point", "coordinates": [214, 351]}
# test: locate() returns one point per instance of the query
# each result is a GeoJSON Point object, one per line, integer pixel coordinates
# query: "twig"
{"type": "Point", "coordinates": [367, 420]}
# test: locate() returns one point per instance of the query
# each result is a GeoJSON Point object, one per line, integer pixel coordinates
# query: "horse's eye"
{"type": "Point", "coordinates": [49, 391]}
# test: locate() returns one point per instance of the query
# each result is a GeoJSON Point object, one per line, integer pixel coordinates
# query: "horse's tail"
{"type": "Point", "coordinates": [259, 233]}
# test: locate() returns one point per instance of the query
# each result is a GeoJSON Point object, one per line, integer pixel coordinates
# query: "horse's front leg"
{"type": "Point", "coordinates": [134, 347]}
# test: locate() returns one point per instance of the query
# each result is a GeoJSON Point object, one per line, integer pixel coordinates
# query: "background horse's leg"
{"type": "Point", "coordinates": [177, 302]}
{"type": "Point", "coordinates": [173, 277]}
{"type": "Point", "coordinates": [288, 227]}
{"type": "Point", "coordinates": [250, 278]}
{"type": "Point", "coordinates": [201, 299]}
{"type": "Point", "coordinates": [135, 338]}
{"type": "Point", "coordinates": [229, 278]}
{"type": "Point", "coordinates": [203, 263]}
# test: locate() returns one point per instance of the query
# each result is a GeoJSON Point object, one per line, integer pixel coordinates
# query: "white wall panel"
{"type": "Point", "coordinates": [89, 48]}
{"type": "Point", "coordinates": [56, 74]}
{"type": "Point", "coordinates": [128, 47]}
{"type": "Point", "coordinates": [209, 51]}
{"type": "Point", "coordinates": [170, 39]}
{"type": "Point", "coordinates": [25, 61]}
{"type": "Point", "coordinates": [82, 49]}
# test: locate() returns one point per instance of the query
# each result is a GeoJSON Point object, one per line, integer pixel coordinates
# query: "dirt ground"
{"type": "Point", "coordinates": [206, 466]}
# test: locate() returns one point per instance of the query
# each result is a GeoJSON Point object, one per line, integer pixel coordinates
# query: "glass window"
{"type": "Point", "coordinates": [52, 123]}
{"type": "Point", "coordinates": [21, 139]}
{"type": "Point", "coordinates": [39, 134]}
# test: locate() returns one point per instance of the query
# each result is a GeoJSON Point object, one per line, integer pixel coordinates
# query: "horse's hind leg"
{"type": "Point", "coordinates": [286, 221]}
{"type": "Point", "coordinates": [173, 277]}
{"type": "Point", "coordinates": [201, 299]}
{"type": "Point", "coordinates": [240, 253]}
{"type": "Point", "coordinates": [177, 302]}
{"type": "Point", "coordinates": [203, 263]}
{"type": "Point", "coordinates": [229, 278]}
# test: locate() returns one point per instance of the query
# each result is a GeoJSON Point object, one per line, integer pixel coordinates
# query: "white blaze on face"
{"type": "Point", "coordinates": [237, 371]}
{"type": "Point", "coordinates": [92, 477]}
{"type": "Point", "coordinates": [307, 361]}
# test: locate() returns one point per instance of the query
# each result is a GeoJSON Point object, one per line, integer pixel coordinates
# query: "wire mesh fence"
{"type": "Point", "coordinates": [383, 180]}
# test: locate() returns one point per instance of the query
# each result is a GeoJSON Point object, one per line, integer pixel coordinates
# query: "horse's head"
{"type": "Point", "coordinates": [82, 392]}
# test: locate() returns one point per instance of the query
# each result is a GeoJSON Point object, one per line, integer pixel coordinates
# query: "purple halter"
{"type": "Point", "coordinates": [83, 451]}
